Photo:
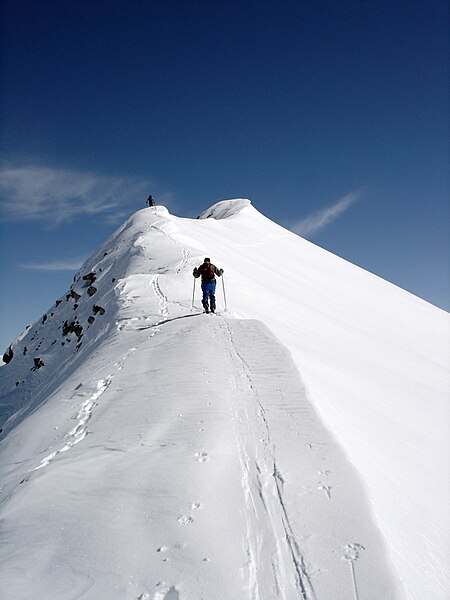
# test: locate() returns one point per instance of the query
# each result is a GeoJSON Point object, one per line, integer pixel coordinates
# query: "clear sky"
{"type": "Point", "coordinates": [332, 117]}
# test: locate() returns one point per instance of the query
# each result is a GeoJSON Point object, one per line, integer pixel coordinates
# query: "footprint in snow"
{"type": "Point", "coordinates": [165, 594]}
{"type": "Point", "coordinates": [201, 457]}
{"type": "Point", "coordinates": [326, 488]}
{"type": "Point", "coordinates": [185, 520]}
{"type": "Point", "coordinates": [313, 445]}
{"type": "Point", "coordinates": [352, 551]}
{"type": "Point", "coordinates": [171, 594]}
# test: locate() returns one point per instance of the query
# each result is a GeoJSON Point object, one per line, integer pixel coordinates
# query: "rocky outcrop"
{"type": "Point", "coordinates": [90, 277]}
{"type": "Point", "coordinates": [73, 294]}
{"type": "Point", "coordinates": [73, 327]}
{"type": "Point", "coordinates": [38, 363]}
{"type": "Point", "coordinates": [8, 355]}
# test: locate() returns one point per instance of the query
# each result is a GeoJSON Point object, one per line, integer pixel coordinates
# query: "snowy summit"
{"type": "Point", "coordinates": [292, 446]}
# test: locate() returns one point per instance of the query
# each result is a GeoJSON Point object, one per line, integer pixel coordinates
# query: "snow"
{"type": "Point", "coordinates": [225, 209]}
{"type": "Point", "coordinates": [294, 446]}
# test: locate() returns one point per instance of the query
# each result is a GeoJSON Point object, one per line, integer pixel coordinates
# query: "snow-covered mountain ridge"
{"type": "Point", "coordinates": [206, 472]}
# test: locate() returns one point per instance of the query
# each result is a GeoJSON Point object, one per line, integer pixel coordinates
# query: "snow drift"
{"type": "Point", "coordinates": [294, 446]}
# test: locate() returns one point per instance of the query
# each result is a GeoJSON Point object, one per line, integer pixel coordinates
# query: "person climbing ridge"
{"type": "Point", "coordinates": [150, 201]}
{"type": "Point", "coordinates": [208, 271]}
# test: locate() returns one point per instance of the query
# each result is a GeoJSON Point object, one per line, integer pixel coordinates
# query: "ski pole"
{"type": "Point", "coordinates": [193, 295]}
{"type": "Point", "coordinates": [224, 295]}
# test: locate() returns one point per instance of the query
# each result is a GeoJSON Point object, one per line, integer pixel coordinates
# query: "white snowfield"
{"type": "Point", "coordinates": [293, 447]}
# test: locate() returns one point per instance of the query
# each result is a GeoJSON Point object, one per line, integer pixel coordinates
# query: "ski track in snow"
{"type": "Point", "coordinates": [163, 301]}
{"type": "Point", "coordinates": [260, 474]}
{"type": "Point", "coordinates": [269, 502]}
{"type": "Point", "coordinates": [153, 282]}
{"type": "Point", "coordinates": [80, 431]}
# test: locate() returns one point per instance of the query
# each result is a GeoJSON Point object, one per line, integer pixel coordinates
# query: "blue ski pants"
{"type": "Point", "coordinates": [209, 290]}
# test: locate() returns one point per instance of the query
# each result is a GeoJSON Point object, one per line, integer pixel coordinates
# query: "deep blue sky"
{"type": "Point", "coordinates": [339, 107]}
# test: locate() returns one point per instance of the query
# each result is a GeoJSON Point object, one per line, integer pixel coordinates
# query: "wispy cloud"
{"type": "Point", "coordinates": [324, 217]}
{"type": "Point", "coordinates": [56, 265]}
{"type": "Point", "coordinates": [34, 192]}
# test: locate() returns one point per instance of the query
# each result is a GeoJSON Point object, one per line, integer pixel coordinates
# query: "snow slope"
{"type": "Point", "coordinates": [294, 446]}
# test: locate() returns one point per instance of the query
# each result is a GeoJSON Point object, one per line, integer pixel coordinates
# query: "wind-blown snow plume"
{"type": "Point", "coordinates": [324, 217]}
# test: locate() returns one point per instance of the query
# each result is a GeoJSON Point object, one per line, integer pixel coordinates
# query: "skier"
{"type": "Point", "coordinates": [150, 201]}
{"type": "Point", "coordinates": [208, 271]}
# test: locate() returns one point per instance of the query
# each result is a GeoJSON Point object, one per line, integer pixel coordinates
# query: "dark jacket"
{"type": "Point", "coordinates": [203, 271]}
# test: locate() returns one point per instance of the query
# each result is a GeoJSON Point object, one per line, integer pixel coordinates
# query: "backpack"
{"type": "Point", "coordinates": [207, 271]}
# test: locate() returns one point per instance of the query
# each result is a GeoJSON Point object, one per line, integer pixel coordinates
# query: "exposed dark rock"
{"type": "Point", "coordinates": [73, 294]}
{"type": "Point", "coordinates": [58, 302]}
{"type": "Point", "coordinates": [73, 327]}
{"type": "Point", "coordinates": [38, 363]}
{"type": "Point", "coordinates": [91, 290]}
{"type": "Point", "coordinates": [25, 350]}
{"type": "Point", "coordinates": [98, 309]}
{"type": "Point", "coordinates": [8, 356]}
{"type": "Point", "coordinates": [75, 306]}
{"type": "Point", "coordinates": [91, 277]}
{"type": "Point", "coordinates": [17, 383]}
{"type": "Point", "coordinates": [54, 342]}
{"type": "Point", "coordinates": [113, 280]}
{"type": "Point", "coordinates": [44, 318]}
{"type": "Point", "coordinates": [91, 320]}
{"type": "Point", "coordinates": [105, 254]}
